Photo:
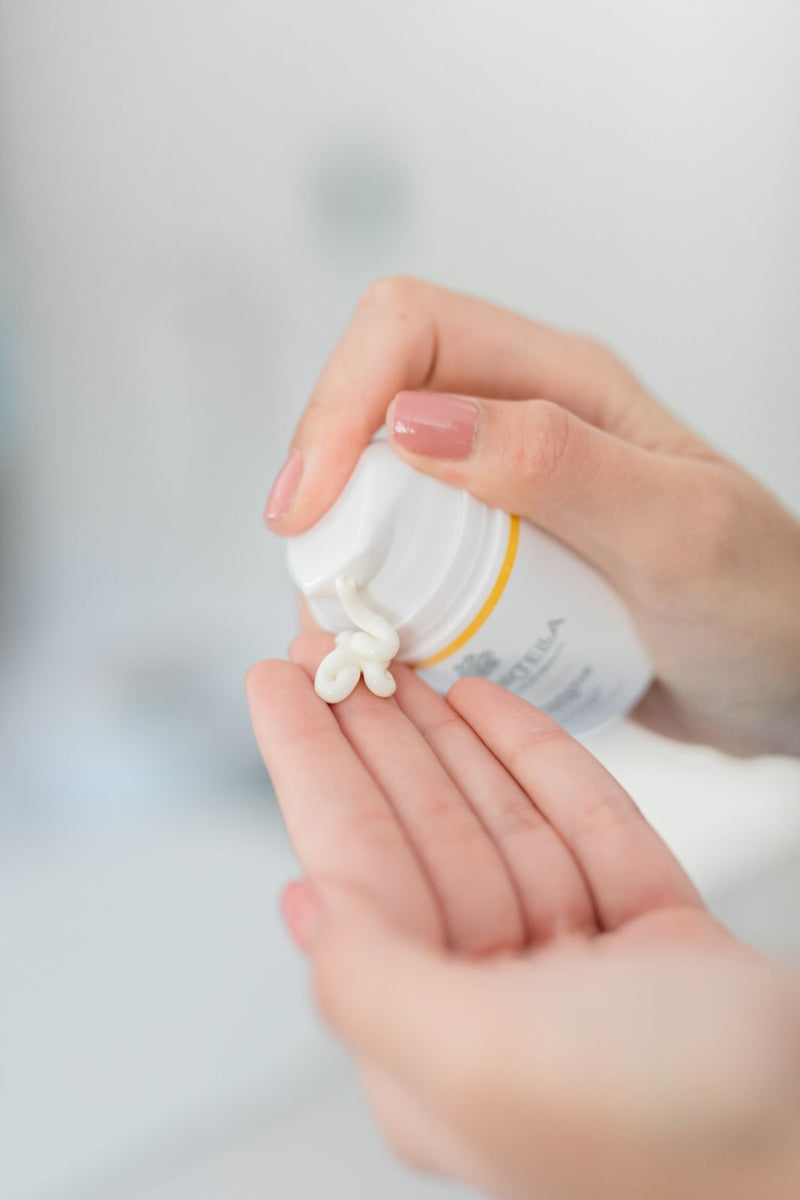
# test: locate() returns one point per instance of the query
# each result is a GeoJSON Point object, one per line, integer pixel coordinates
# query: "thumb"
{"type": "Point", "coordinates": [598, 494]}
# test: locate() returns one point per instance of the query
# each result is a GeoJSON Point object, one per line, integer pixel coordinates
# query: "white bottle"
{"type": "Point", "coordinates": [473, 591]}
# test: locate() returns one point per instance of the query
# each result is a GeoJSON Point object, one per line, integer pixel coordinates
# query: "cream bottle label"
{"type": "Point", "coordinates": [561, 665]}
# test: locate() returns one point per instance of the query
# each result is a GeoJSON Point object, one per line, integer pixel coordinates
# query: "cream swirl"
{"type": "Point", "coordinates": [366, 651]}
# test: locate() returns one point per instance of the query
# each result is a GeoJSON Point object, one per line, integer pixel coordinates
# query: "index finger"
{"type": "Point", "coordinates": [406, 335]}
{"type": "Point", "coordinates": [340, 824]}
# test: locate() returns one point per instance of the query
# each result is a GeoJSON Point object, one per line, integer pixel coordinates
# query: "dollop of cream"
{"type": "Point", "coordinates": [366, 651]}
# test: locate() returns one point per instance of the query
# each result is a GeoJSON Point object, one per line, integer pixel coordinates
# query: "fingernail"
{"type": "Point", "coordinates": [434, 423]}
{"type": "Point", "coordinates": [285, 486]}
{"type": "Point", "coordinates": [300, 909]}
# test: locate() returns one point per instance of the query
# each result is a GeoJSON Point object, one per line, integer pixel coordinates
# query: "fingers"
{"type": "Point", "coordinates": [466, 871]}
{"type": "Point", "coordinates": [629, 869]}
{"type": "Point", "coordinates": [341, 827]}
{"type": "Point", "coordinates": [408, 334]}
{"type": "Point", "coordinates": [552, 891]}
{"type": "Point", "coordinates": [596, 492]}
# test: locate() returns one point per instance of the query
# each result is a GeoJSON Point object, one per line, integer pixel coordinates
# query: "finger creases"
{"type": "Point", "coordinates": [465, 869]}
{"type": "Point", "coordinates": [551, 889]}
{"type": "Point", "coordinates": [628, 868]}
{"type": "Point", "coordinates": [343, 830]}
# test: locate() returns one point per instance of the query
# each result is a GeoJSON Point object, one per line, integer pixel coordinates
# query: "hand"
{"type": "Point", "coordinates": [536, 996]}
{"type": "Point", "coordinates": [556, 428]}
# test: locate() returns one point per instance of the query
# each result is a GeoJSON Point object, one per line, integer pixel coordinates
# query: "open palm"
{"type": "Point", "coordinates": [474, 822]}
{"type": "Point", "coordinates": [530, 983]}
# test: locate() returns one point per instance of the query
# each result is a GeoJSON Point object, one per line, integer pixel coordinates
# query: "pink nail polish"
{"type": "Point", "coordinates": [434, 424]}
{"type": "Point", "coordinates": [300, 912]}
{"type": "Point", "coordinates": [285, 486]}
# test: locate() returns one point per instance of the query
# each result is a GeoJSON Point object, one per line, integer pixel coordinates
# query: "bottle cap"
{"type": "Point", "coordinates": [411, 543]}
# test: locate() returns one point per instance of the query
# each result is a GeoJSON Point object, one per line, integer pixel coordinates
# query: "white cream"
{"type": "Point", "coordinates": [366, 651]}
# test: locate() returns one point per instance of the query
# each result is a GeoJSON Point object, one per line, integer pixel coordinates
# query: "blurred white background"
{"type": "Point", "coordinates": [192, 197]}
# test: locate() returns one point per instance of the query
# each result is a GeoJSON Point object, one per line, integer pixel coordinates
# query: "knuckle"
{"type": "Point", "coordinates": [720, 525]}
{"type": "Point", "coordinates": [700, 545]}
{"type": "Point", "coordinates": [599, 353]}
{"type": "Point", "coordinates": [605, 364]}
{"type": "Point", "coordinates": [539, 445]}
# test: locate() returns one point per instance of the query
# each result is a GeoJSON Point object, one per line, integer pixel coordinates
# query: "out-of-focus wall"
{"type": "Point", "coordinates": [194, 194]}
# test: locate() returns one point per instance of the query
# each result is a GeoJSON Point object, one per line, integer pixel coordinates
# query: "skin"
{"type": "Point", "coordinates": [706, 559]}
{"type": "Point", "coordinates": [536, 996]}
{"type": "Point", "coordinates": [537, 999]}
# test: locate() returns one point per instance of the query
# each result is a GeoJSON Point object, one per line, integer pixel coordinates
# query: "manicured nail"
{"type": "Point", "coordinates": [433, 423]}
{"type": "Point", "coordinates": [300, 910]}
{"type": "Point", "coordinates": [285, 486]}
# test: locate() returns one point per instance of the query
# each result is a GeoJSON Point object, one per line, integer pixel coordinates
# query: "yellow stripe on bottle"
{"type": "Point", "coordinates": [488, 605]}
